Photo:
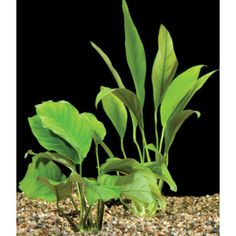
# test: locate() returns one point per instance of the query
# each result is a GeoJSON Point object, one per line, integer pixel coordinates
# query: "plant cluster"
{"type": "Point", "coordinates": [67, 136]}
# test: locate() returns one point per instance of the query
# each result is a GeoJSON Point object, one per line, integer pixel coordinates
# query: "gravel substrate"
{"type": "Point", "coordinates": [193, 216]}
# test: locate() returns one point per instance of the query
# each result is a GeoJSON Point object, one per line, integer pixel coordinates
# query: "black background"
{"type": "Point", "coordinates": [55, 61]}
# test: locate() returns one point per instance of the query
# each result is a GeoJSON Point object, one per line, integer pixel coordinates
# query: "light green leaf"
{"type": "Point", "coordinates": [33, 188]}
{"type": "Point", "coordinates": [50, 140]}
{"type": "Point", "coordinates": [153, 148]}
{"type": "Point", "coordinates": [177, 90]}
{"type": "Point", "coordinates": [174, 125]}
{"type": "Point", "coordinates": [164, 67]}
{"type": "Point", "coordinates": [65, 121]}
{"type": "Point", "coordinates": [109, 64]}
{"type": "Point", "coordinates": [116, 112]}
{"type": "Point", "coordinates": [160, 169]}
{"type": "Point", "coordinates": [122, 165]}
{"type": "Point", "coordinates": [95, 191]}
{"type": "Point", "coordinates": [99, 131]}
{"type": "Point", "coordinates": [135, 54]}
{"type": "Point", "coordinates": [129, 99]}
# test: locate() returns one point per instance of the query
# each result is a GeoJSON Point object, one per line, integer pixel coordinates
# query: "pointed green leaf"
{"type": "Point", "coordinates": [33, 188]}
{"type": "Point", "coordinates": [99, 131]}
{"type": "Point", "coordinates": [116, 111]}
{"type": "Point", "coordinates": [177, 90]}
{"type": "Point", "coordinates": [95, 191]}
{"type": "Point", "coordinates": [164, 67]}
{"type": "Point", "coordinates": [65, 121]}
{"type": "Point", "coordinates": [129, 99]}
{"type": "Point", "coordinates": [50, 140]}
{"type": "Point", "coordinates": [160, 169]}
{"type": "Point", "coordinates": [135, 54]}
{"type": "Point", "coordinates": [197, 85]}
{"type": "Point", "coordinates": [109, 64]}
{"type": "Point", "coordinates": [174, 125]}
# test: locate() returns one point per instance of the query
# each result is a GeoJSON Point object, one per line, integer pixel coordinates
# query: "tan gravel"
{"type": "Point", "coordinates": [193, 216]}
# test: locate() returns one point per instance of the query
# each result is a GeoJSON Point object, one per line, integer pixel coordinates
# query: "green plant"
{"type": "Point", "coordinates": [170, 97]}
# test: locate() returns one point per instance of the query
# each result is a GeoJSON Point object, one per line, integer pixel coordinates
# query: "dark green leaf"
{"type": "Point", "coordinates": [164, 67]}
{"type": "Point", "coordinates": [135, 54]}
{"type": "Point", "coordinates": [174, 125]}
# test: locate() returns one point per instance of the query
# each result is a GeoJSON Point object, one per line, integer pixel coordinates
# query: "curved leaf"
{"type": "Point", "coordinates": [33, 188]}
{"type": "Point", "coordinates": [64, 120]}
{"type": "Point", "coordinates": [164, 67]}
{"type": "Point", "coordinates": [135, 54]}
{"type": "Point", "coordinates": [174, 125]}
{"type": "Point", "coordinates": [177, 90]}
{"type": "Point", "coordinates": [50, 140]}
{"type": "Point", "coordinates": [109, 64]}
{"type": "Point", "coordinates": [99, 131]}
{"type": "Point", "coordinates": [129, 99]}
{"type": "Point", "coordinates": [116, 112]}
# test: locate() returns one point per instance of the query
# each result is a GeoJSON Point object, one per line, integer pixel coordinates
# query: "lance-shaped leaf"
{"type": "Point", "coordinates": [164, 67]}
{"type": "Point", "coordinates": [129, 99]}
{"type": "Point", "coordinates": [135, 54]}
{"type": "Point", "coordinates": [174, 125]}
{"type": "Point", "coordinates": [95, 191]}
{"type": "Point", "coordinates": [117, 113]}
{"type": "Point", "coordinates": [64, 120]}
{"type": "Point", "coordinates": [177, 90]}
{"type": "Point", "coordinates": [50, 140]}
{"type": "Point", "coordinates": [34, 188]}
{"type": "Point", "coordinates": [97, 127]}
{"type": "Point", "coordinates": [197, 85]}
{"type": "Point", "coordinates": [109, 64]}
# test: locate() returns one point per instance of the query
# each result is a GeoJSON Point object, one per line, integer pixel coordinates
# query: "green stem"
{"type": "Point", "coordinates": [156, 131]}
{"type": "Point", "coordinates": [136, 143]}
{"type": "Point", "coordinates": [144, 144]}
{"type": "Point", "coordinates": [161, 182]}
{"type": "Point", "coordinates": [74, 204]}
{"type": "Point", "coordinates": [162, 138]}
{"type": "Point", "coordinates": [107, 150]}
{"type": "Point", "coordinates": [100, 213]}
{"type": "Point", "coordinates": [97, 158]}
{"type": "Point", "coordinates": [122, 147]}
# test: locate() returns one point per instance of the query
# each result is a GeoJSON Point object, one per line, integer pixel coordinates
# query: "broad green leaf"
{"type": "Point", "coordinates": [135, 54]}
{"type": "Point", "coordinates": [133, 186]}
{"type": "Point", "coordinates": [164, 67]}
{"type": "Point", "coordinates": [33, 188]}
{"type": "Point", "coordinates": [52, 156]}
{"type": "Point", "coordinates": [99, 131]}
{"type": "Point", "coordinates": [61, 189]}
{"type": "Point", "coordinates": [116, 112]}
{"type": "Point", "coordinates": [122, 165]}
{"type": "Point", "coordinates": [109, 64]}
{"type": "Point", "coordinates": [174, 125]}
{"type": "Point", "coordinates": [177, 90]}
{"type": "Point", "coordinates": [64, 120]}
{"type": "Point", "coordinates": [160, 169]}
{"type": "Point", "coordinates": [50, 140]}
{"type": "Point", "coordinates": [95, 191]}
{"type": "Point", "coordinates": [129, 99]}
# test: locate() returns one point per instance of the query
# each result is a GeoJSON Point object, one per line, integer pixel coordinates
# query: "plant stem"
{"type": "Point", "coordinates": [107, 150]}
{"type": "Point", "coordinates": [100, 213]}
{"type": "Point", "coordinates": [162, 138]}
{"type": "Point", "coordinates": [136, 143]}
{"type": "Point", "coordinates": [97, 158]}
{"type": "Point", "coordinates": [156, 131]}
{"type": "Point", "coordinates": [144, 144]}
{"type": "Point", "coordinates": [122, 147]}
{"type": "Point", "coordinates": [74, 204]}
